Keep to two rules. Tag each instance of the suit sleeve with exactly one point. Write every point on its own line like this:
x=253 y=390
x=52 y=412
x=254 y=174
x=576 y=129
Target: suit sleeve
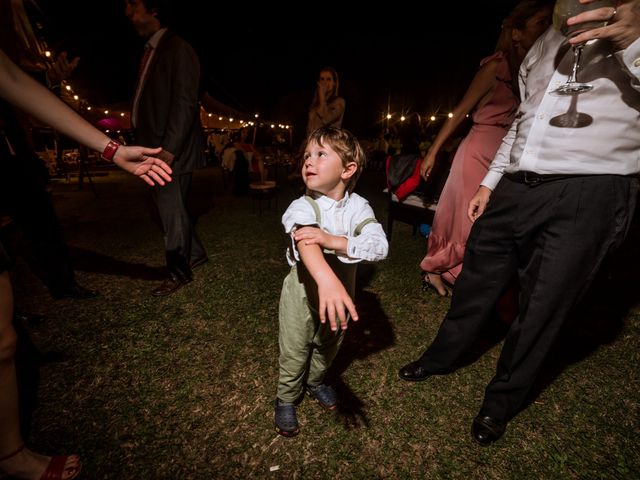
x=183 y=106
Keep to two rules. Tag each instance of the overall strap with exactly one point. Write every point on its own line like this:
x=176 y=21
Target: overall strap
x=363 y=224
x=316 y=209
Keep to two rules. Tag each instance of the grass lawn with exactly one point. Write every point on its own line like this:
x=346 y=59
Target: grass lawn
x=183 y=387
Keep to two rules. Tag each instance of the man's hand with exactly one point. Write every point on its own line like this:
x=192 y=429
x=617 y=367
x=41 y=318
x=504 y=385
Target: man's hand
x=622 y=24
x=166 y=156
x=478 y=203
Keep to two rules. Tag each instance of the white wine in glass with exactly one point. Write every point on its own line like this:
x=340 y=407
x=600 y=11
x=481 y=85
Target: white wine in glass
x=562 y=11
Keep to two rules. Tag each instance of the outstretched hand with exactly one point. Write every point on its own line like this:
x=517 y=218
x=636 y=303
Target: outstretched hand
x=140 y=162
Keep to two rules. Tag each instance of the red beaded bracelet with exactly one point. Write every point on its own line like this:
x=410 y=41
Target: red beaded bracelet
x=110 y=150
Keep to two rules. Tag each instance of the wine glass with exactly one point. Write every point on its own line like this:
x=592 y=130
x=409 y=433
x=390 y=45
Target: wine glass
x=563 y=10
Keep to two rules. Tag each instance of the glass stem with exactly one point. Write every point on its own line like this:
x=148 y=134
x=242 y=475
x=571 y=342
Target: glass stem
x=577 y=53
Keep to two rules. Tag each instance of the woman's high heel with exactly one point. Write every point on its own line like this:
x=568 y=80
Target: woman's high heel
x=427 y=285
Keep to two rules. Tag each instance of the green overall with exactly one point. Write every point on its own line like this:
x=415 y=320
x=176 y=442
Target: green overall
x=308 y=347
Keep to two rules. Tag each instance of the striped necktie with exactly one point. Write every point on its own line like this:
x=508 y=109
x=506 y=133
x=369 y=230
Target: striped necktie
x=143 y=64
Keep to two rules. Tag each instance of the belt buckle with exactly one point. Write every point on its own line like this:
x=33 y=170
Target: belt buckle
x=531 y=178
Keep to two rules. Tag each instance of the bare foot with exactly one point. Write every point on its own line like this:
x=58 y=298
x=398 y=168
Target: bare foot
x=434 y=280
x=28 y=465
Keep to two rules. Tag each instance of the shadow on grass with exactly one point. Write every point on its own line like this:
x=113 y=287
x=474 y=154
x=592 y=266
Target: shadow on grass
x=28 y=360
x=372 y=333
x=596 y=321
x=593 y=322
x=89 y=261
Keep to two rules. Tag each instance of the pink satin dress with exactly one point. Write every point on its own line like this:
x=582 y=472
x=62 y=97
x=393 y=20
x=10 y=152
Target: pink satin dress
x=451 y=226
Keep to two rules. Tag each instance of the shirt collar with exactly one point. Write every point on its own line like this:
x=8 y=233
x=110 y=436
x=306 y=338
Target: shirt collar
x=327 y=203
x=155 y=38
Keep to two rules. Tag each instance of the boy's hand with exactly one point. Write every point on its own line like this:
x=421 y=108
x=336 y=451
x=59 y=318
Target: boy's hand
x=317 y=236
x=333 y=301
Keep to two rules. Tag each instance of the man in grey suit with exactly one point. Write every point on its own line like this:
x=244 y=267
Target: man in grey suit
x=166 y=113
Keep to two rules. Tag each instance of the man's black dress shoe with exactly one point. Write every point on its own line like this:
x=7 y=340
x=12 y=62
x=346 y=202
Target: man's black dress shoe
x=198 y=261
x=74 y=290
x=486 y=430
x=414 y=372
x=169 y=285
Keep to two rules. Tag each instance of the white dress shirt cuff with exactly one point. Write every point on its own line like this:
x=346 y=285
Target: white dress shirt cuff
x=491 y=180
x=630 y=57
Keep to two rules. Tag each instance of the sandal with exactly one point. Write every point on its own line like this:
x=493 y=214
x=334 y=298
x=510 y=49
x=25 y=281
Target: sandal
x=324 y=395
x=285 y=419
x=427 y=285
x=56 y=467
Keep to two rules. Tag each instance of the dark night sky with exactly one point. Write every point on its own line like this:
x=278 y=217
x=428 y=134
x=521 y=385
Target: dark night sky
x=257 y=59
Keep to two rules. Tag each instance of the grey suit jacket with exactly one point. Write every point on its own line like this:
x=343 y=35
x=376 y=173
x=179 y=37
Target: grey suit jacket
x=168 y=109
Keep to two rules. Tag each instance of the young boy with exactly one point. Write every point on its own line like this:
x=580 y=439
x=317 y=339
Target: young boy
x=332 y=230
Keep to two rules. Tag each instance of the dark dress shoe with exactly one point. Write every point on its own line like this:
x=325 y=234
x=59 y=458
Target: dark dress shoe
x=168 y=286
x=486 y=430
x=414 y=372
x=75 y=291
x=198 y=261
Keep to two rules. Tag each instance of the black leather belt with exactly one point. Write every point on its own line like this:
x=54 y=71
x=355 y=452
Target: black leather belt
x=533 y=178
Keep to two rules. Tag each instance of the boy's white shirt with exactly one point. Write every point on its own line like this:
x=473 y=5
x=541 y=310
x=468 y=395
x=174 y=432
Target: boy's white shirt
x=338 y=218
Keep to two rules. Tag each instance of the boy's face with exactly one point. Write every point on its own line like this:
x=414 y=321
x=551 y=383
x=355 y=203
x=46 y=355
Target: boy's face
x=323 y=171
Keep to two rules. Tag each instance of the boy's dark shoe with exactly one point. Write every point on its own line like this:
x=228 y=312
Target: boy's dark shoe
x=286 y=419
x=324 y=395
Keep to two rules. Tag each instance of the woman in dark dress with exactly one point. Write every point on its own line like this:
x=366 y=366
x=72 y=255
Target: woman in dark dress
x=20 y=90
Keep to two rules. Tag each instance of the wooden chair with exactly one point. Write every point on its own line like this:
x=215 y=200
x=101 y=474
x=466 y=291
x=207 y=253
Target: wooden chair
x=263 y=190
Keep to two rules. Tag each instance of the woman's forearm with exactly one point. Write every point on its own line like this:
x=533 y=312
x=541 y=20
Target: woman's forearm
x=19 y=89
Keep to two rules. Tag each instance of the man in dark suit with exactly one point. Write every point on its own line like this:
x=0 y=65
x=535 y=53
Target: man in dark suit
x=166 y=113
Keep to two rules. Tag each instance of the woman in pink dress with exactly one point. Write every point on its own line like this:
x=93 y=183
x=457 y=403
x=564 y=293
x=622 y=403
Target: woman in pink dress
x=493 y=97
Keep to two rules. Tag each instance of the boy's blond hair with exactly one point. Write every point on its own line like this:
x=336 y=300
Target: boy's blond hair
x=346 y=145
